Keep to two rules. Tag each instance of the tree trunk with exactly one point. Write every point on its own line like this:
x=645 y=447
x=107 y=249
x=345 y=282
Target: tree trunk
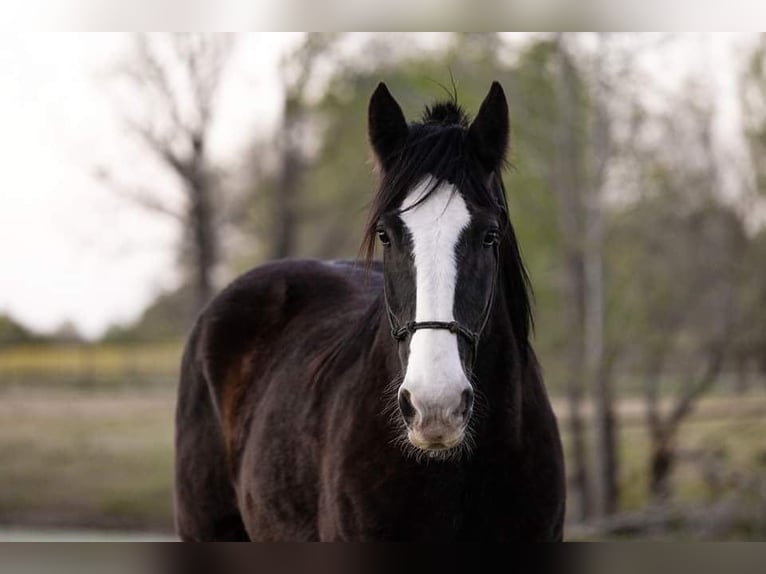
x=582 y=507
x=663 y=429
x=742 y=375
x=175 y=80
x=660 y=458
x=290 y=171
x=607 y=456
x=597 y=372
x=205 y=248
x=661 y=462
x=567 y=182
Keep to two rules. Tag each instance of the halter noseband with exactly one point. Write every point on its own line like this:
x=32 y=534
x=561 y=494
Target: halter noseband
x=401 y=333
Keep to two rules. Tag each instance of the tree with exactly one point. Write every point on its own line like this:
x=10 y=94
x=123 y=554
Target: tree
x=298 y=70
x=753 y=95
x=314 y=180
x=592 y=101
x=600 y=353
x=569 y=183
x=753 y=90
x=680 y=251
x=14 y=333
x=175 y=80
x=168 y=318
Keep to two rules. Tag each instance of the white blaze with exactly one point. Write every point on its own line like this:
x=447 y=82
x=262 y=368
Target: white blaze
x=435 y=376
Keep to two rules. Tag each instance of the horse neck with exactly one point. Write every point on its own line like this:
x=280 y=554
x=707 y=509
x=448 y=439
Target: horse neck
x=500 y=370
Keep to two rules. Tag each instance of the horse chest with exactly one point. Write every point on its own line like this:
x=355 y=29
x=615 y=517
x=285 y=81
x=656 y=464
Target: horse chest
x=436 y=502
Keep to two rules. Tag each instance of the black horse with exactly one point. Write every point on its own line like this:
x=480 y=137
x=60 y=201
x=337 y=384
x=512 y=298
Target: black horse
x=402 y=401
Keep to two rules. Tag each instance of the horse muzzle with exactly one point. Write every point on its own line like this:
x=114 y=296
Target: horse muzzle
x=436 y=425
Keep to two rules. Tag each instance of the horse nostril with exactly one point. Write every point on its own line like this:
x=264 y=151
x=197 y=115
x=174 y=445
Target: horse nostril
x=466 y=403
x=405 y=406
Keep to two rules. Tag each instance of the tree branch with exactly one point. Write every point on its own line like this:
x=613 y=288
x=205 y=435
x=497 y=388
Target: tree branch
x=139 y=196
x=686 y=400
x=152 y=74
x=161 y=147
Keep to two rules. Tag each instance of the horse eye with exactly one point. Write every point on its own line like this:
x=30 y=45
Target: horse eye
x=384 y=238
x=491 y=238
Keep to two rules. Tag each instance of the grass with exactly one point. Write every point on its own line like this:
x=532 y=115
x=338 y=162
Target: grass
x=104 y=459
x=731 y=426
x=86 y=438
x=92 y=459
x=727 y=431
x=738 y=442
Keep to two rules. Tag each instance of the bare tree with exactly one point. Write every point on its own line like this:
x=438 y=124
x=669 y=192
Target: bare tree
x=597 y=366
x=585 y=148
x=175 y=80
x=753 y=96
x=298 y=70
x=708 y=362
x=690 y=247
x=568 y=185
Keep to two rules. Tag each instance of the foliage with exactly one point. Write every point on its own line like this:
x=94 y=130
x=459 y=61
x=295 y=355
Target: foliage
x=168 y=318
x=674 y=247
x=13 y=332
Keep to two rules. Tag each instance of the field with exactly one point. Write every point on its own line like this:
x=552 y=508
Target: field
x=86 y=437
x=87 y=442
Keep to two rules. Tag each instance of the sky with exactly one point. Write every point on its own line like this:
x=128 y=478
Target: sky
x=72 y=250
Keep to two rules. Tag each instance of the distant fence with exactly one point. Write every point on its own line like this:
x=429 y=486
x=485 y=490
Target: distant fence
x=90 y=365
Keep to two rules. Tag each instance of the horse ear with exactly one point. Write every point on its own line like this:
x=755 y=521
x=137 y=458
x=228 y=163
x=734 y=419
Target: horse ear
x=386 y=127
x=489 y=132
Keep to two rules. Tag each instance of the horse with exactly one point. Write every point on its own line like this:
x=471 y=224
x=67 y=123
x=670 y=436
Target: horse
x=393 y=401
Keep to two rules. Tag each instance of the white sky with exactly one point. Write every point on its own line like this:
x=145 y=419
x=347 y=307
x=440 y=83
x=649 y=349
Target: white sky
x=70 y=249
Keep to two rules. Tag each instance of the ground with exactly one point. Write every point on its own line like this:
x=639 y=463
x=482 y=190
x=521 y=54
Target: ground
x=95 y=451
x=97 y=459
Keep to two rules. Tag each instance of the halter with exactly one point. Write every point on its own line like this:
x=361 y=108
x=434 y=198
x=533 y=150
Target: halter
x=454 y=327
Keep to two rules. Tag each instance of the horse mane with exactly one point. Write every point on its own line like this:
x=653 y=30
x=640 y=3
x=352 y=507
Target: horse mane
x=516 y=281
x=446 y=113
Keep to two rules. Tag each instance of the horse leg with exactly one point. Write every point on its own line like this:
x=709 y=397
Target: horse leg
x=205 y=501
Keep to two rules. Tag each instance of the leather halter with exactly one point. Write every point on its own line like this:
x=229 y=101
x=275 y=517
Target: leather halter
x=454 y=327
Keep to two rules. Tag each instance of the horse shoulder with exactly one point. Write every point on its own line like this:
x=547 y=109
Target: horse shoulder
x=243 y=330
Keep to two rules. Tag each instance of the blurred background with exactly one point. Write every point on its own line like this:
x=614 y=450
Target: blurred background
x=141 y=173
